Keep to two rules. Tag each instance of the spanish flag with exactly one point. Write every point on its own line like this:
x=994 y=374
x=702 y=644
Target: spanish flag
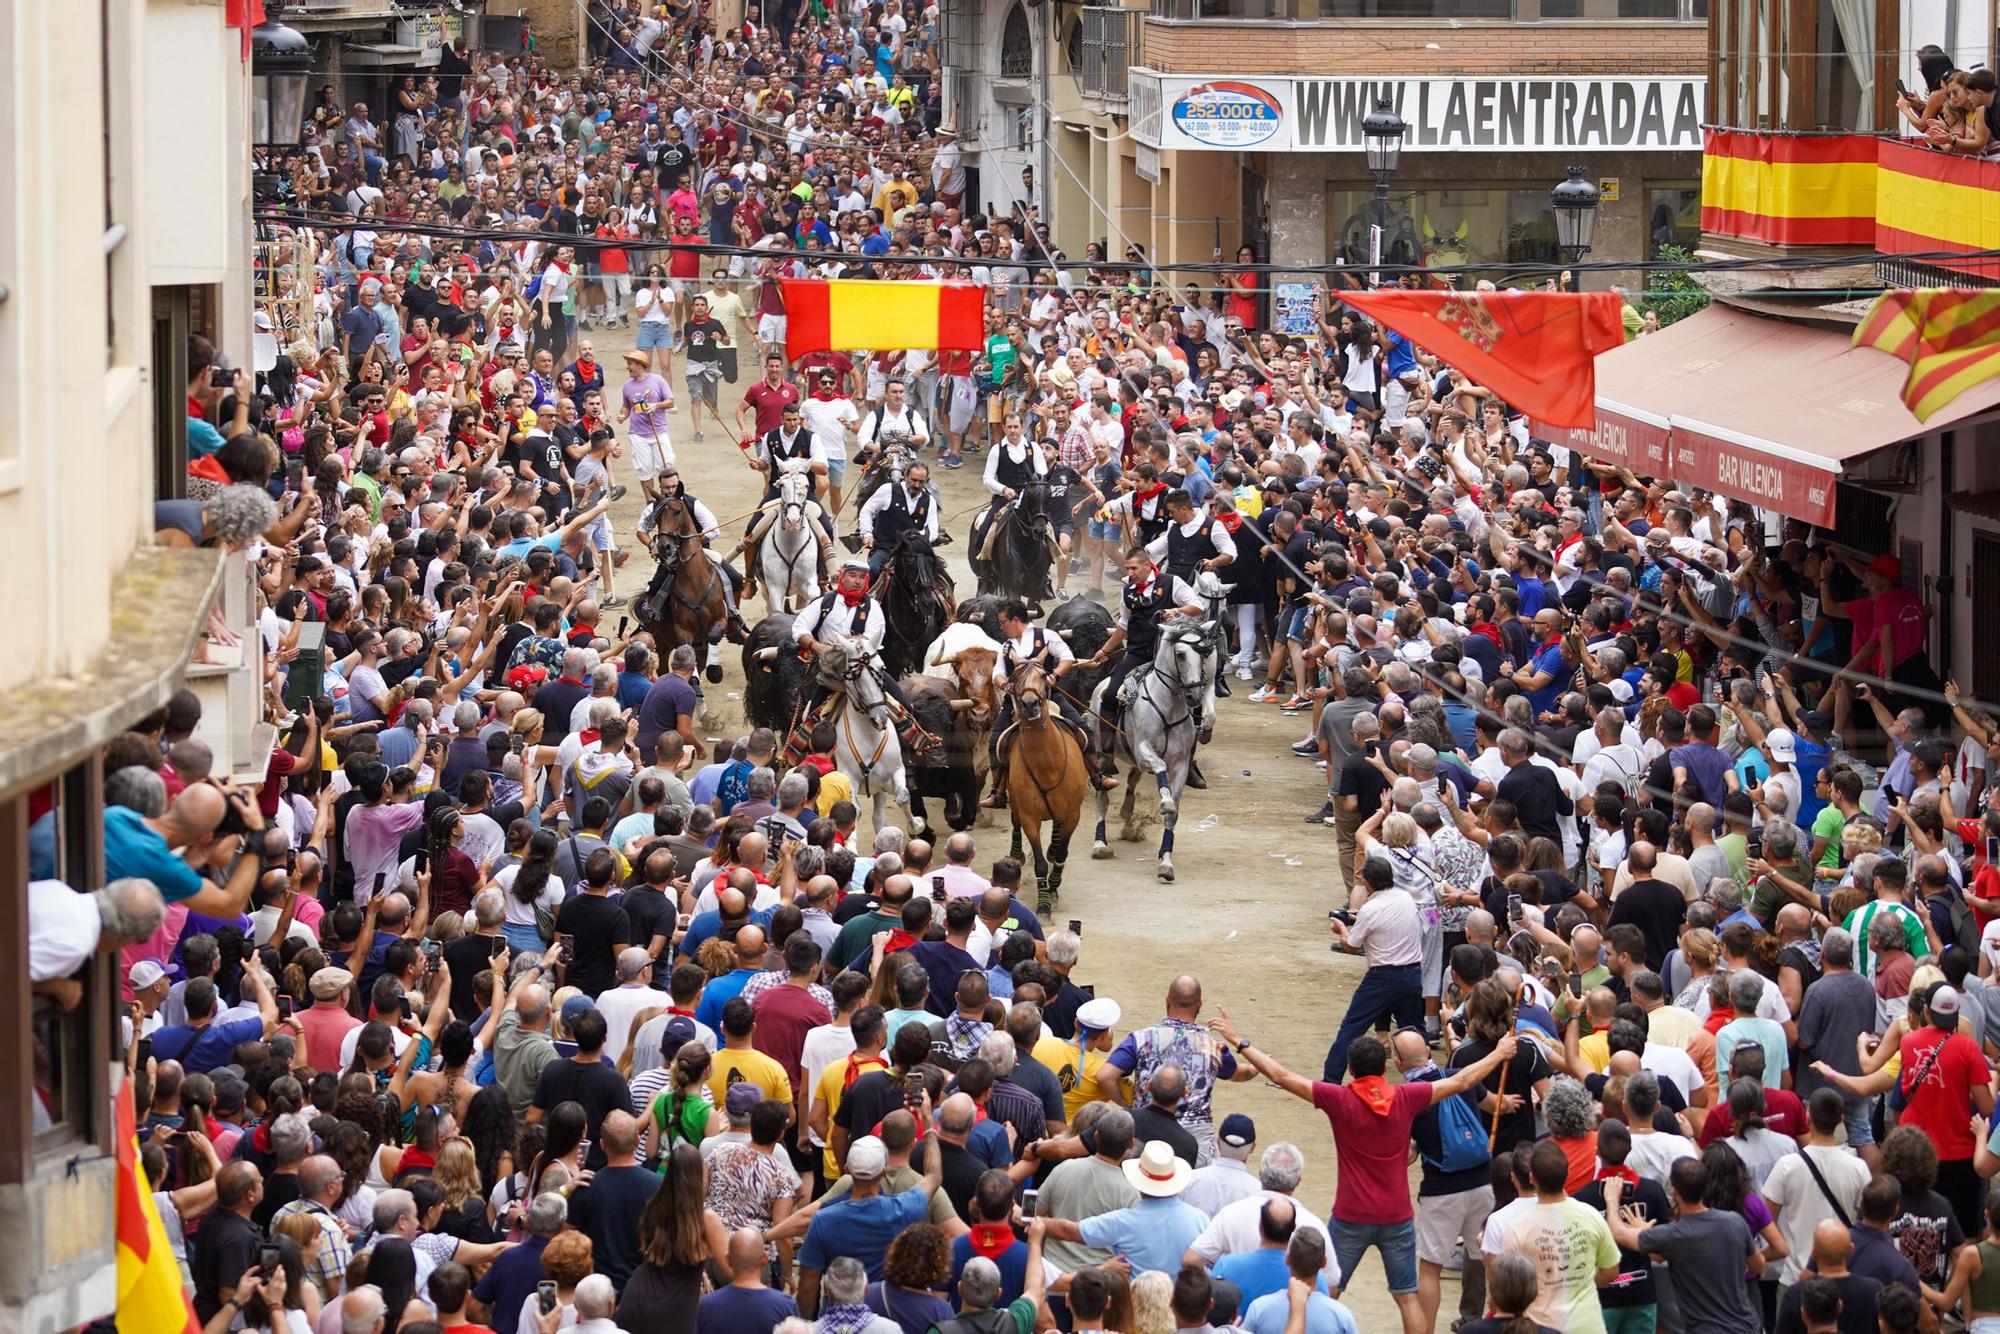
x=1950 y=338
x=839 y=314
x=151 y=1299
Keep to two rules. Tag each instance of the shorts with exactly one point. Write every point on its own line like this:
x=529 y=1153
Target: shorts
x=1645 y=1319
x=707 y=388
x=878 y=383
x=1105 y=530
x=599 y=533
x=836 y=469
x=1299 y=625
x=770 y=328
x=649 y=457
x=1396 y=1241
x=1860 y=1129
x=654 y=335
x=1445 y=1221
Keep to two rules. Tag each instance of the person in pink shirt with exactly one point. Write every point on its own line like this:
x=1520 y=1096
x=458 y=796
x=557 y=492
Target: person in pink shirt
x=1889 y=632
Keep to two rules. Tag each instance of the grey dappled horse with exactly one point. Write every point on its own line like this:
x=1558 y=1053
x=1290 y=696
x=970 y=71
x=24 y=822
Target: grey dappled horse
x=1172 y=708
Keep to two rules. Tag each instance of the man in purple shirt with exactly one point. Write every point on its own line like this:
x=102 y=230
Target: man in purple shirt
x=647 y=397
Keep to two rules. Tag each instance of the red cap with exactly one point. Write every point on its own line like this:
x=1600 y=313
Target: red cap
x=527 y=674
x=1887 y=567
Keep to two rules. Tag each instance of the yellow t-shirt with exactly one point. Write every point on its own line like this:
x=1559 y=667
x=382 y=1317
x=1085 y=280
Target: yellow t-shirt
x=1060 y=1058
x=747 y=1066
x=832 y=1087
x=833 y=786
x=1085 y=1091
x=1594 y=1050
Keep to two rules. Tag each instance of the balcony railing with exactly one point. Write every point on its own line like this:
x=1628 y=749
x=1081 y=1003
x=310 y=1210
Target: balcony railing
x=1856 y=192
x=1110 y=44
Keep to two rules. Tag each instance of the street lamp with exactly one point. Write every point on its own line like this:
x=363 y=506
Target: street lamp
x=1575 y=205
x=1382 y=133
x=280 y=59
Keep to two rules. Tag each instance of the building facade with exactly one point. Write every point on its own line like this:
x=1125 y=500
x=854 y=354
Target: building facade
x=126 y=227
x=1192 y=126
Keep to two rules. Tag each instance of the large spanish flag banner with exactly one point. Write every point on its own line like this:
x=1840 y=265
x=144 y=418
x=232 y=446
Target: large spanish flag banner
x=1950 y=338
x=1536 y=350
x=1937 y=204
x=1789 y=189
x=839 y=314
x=150 y=1297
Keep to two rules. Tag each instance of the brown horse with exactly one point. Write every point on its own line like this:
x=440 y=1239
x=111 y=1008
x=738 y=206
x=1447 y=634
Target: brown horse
x=688 y=603
x=1046 y=781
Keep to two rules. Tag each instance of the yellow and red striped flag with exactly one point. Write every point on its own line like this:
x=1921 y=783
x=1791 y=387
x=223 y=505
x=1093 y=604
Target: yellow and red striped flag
x=151 y=1299
x=1950 y=338
x=835 y=315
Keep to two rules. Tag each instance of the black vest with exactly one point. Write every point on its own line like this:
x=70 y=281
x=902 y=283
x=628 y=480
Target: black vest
x=780 y=452
x=901 y=515
x=1039 y=638
x=1010 y=474
x=1185 y=552
x=1142 y=615
x=1150 y=528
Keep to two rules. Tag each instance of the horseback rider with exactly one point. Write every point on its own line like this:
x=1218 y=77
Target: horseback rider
x=1194 y=543
x=1149 y=594
x=1027 y=643
x=895 y=423
x=788 y=442
x=849 y=615
x=1009 y=468
x=652 y=606
x=1145 y=503
x=895 y=510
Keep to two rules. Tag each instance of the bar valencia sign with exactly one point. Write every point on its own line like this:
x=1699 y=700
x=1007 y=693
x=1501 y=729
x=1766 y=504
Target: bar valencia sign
x=1500 y=115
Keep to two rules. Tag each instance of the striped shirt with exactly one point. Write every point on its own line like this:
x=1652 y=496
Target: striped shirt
x=1862 y=918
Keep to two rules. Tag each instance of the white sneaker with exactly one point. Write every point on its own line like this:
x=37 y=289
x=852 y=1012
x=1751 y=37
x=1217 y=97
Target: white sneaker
x=1264 y=694
x=1243 y=673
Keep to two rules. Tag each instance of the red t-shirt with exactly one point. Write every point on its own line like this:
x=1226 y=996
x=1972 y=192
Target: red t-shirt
x=1942 y=1106
x=684 y=259
x=1783 y=1112
x=785 y=1014
x=768 y=401
x=1372 y=1152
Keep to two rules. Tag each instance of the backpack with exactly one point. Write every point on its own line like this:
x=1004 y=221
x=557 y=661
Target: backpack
x=1462 y=1137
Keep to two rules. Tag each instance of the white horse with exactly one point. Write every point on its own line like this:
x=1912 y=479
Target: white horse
x=788 y=560
x=868 y=749
x=1172 y=706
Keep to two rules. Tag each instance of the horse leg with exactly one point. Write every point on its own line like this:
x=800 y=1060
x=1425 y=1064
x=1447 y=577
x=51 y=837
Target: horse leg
x=1043 y=889
x=1167 y=822
x=918 y=824
x=1130 y=830
x=1151 y=761
x=1014 y=847
x=1099 y=849
x=1058 y=855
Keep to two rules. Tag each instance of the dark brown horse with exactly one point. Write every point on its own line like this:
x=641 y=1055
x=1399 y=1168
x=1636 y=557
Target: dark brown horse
x=1047 y=780
x=689 y=602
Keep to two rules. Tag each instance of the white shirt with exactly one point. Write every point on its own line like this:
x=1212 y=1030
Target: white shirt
x=1022 y=648
x=863 y=622
x=658 y=311
x=879 y=502
x=1024 y=451
x=347 y=1044
x=620 y=1006
x=1654 y=1154
x=1221 y=1183
x=1234 y=1229
x=484 y=841
x=63 y=929
x=1388 y=929
x=884 y=422
x=823 y=1046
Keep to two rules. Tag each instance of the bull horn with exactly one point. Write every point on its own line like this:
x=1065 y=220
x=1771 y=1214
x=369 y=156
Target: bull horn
x=766 y=655
x=961 y=705
x=1065 y=635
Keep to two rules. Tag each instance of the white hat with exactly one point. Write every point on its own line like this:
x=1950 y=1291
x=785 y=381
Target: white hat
x=144 y=974
x=260 y=320
x=1098 y=1015
x=1157 y=1171
x=1781 y=745
x=854 y=563
x=867 y=1158
x=1621 y=689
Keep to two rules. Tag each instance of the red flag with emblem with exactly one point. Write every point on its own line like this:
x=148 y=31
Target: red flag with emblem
x=1536 y=350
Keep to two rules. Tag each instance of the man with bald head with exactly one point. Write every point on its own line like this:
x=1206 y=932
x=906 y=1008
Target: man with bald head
x=1649 y=903
x=960 y=880
x=722 y=990
x=727 y=915
x=521 y=1043
x=1181 y=1040
x=142 y=847
x=229 y=1240
x=321 y=1183
x=1831 y=1247
x=608 y=1209
x=748 y=1302
x=621 y=1004
x=857 y=937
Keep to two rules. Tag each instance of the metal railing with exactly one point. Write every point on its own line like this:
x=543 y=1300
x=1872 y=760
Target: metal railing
x=1110 y=45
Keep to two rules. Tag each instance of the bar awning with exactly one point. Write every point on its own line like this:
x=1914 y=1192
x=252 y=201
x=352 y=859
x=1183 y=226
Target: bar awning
x=1764 y=410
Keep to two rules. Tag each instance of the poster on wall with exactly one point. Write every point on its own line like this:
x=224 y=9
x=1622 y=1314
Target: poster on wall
x=1293 y=310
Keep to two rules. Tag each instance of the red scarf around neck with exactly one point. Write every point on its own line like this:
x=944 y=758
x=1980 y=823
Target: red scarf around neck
x=1377 y=1094
x=991 y=1240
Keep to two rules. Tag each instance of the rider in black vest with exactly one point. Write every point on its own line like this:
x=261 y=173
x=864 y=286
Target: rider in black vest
x=1149 y=594
x=670 y=486
x=790 y=439
x=1051 y=652
x=896 y=510
x=1007 y=476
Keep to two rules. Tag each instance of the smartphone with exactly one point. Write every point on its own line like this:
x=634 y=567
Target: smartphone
x=624 y=624
x=914 y=1089
x=269 y=1257
x=1754 y=846
x=145 y=1051
x=1993 y=850
x=433 y=951
x=1902 y=89
x=284 y=1007
x=583 y=1151
x=1076 y=926
x=421 y=862
x=937 y=889
x=545 y=1295
x=497 y=948
x=1514 y=909
x=381 y=879
x=1576 y=985
x=1028 y=1197
x=567 y=944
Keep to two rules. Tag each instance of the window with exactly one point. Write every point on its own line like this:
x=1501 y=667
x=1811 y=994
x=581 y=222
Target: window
x=1673 y=216
x=1447 y=226
x=1017 y=46
x=1223 y=9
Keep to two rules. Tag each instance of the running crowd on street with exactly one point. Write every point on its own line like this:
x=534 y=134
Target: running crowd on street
x=505 y=1003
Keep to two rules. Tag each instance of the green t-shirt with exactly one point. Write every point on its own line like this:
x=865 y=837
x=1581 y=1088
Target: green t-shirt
x=680 y=1116
x=1000 y=356
x=1736 y=847
x=1828 y=825
x=1021 y=1310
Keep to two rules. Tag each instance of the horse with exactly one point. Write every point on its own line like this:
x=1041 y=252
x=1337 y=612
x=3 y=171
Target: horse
x=1024 y=548
x=956 y=698
x=1158 y=729
x=916 y=596
x=692 y=606
x=1046 y=779
x=788 y=558
x=866 y=748
x=1214 y=595
x=774 y=675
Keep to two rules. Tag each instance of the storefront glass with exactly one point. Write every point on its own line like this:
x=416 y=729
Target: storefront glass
x=1446 y=225
x=1673 y=216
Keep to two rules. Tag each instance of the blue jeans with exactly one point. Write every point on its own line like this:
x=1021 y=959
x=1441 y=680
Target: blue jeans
x=1396 y=1241
x=1384 y=993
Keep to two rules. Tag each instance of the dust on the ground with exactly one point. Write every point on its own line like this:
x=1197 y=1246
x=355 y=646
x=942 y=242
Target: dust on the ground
x=1247 y=911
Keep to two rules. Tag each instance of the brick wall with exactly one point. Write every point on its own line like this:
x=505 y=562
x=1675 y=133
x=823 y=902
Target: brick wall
x=1354 y=49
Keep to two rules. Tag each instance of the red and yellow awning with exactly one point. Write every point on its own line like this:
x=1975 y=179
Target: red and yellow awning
x=1786 y=189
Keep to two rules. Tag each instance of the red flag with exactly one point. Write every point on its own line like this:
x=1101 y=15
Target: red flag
x=1536 y=350
x=244 y=14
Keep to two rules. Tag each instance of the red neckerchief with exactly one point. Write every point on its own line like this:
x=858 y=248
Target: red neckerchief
x=991 y=1239
x=854 y=1069
x=1230 y=521
x=823 y=763
x=415 y=1157
x=824 y=396
x=1377 y=1094
x=588 y=736
x=854 y=599
x=1619 y=1173
x=588 y=369
x=1717 y=1018
x=1489 y=631
x=899 y=939
x=1141 y=497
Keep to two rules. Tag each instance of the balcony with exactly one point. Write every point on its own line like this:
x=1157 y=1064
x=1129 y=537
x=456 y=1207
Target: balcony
x=1110 y=42
x=1796 y=192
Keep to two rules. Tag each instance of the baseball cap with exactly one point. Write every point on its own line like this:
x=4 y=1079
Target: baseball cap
x=575 y=1008
x=230 y=1093
x=741 y=1098
x=1781 y=745
x=867 y=1158
x=1238 y=1131
x=144 y=974
x=1943 y=999
x=1887 y=567
x=527 y=674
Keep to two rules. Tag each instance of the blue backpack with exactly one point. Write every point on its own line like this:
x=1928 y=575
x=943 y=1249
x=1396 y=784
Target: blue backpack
x=1462 y=1137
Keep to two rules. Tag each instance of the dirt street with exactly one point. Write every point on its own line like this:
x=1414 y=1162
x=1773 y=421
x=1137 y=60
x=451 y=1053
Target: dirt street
x=1247 y=914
